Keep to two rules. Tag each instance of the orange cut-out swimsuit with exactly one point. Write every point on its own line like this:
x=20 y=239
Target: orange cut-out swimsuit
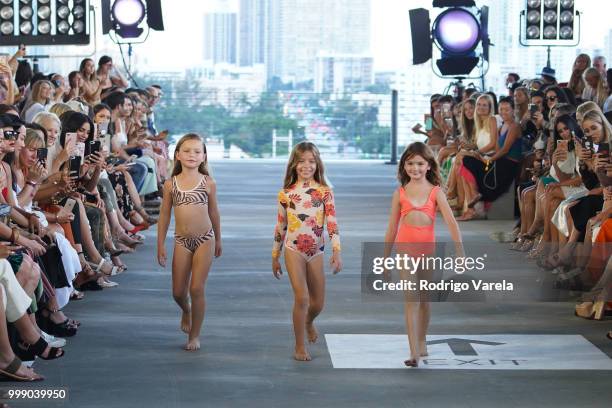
x=417 y=234
x=303 y=210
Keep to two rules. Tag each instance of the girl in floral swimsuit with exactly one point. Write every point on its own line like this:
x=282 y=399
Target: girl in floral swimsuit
x=192 y=193
x=305 y=205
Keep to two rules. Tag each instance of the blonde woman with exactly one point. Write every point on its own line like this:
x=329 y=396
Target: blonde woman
x=576 y=82
x=39 y=99
x=91 y=87
x=596 y=89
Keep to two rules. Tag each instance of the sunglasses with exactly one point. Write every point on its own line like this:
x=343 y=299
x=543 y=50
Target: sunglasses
x=551 y=98
x=10 y=135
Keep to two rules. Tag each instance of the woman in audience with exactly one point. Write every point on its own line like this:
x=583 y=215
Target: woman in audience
x=90 y=88
x=38 y=100
x=596 y=89
x=576 y=83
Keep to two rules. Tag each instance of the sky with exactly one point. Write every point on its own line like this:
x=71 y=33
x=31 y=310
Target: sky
x=181 y=45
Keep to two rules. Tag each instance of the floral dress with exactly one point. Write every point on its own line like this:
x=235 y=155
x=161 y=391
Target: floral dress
x=303 y=210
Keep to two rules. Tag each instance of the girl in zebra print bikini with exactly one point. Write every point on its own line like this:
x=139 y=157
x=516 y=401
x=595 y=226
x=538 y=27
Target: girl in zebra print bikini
x=197 y=235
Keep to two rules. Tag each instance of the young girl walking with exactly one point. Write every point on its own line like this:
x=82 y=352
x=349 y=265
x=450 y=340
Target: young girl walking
x=197 y=238
x=305 y=205
x=412 y=218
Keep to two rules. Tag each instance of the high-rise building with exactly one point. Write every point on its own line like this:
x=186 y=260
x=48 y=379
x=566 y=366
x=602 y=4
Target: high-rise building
x=252 y=32
x=220 y=42
x=343 y=73
x=298 y=30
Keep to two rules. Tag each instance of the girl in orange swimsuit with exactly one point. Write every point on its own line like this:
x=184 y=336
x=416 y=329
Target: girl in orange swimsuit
x=305 y=206
x=412 y=218
x=192 y=193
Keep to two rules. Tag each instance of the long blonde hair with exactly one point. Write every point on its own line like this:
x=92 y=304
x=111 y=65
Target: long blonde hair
x=299 y=149
x=598 y=117
x=483 y=122
x=576 y=82
x=601 y=92
x=178 y=168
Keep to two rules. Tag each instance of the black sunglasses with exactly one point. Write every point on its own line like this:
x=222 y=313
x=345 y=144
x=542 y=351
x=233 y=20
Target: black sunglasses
x=551 y=98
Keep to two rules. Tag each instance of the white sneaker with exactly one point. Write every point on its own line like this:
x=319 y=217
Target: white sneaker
x=52 y=340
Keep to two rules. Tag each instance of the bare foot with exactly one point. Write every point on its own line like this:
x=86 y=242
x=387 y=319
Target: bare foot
x=313 y=334
x=186 y=322
x=301 y=354
x=193 y=345
x=24 y=371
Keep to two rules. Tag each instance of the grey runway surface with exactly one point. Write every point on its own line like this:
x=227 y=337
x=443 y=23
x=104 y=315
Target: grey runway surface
x=128 y=351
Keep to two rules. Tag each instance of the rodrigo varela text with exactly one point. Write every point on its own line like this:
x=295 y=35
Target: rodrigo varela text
x=446 y=286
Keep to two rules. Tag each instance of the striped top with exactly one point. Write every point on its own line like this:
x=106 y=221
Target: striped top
x=196 y=196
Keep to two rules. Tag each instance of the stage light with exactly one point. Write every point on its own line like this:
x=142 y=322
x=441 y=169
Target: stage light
x=44 y=22
x=125 y=17
x=549 y=22
x=457 y=32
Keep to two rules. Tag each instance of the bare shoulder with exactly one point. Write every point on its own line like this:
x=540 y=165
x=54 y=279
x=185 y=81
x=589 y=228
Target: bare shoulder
x=168 y=184
x=210 y=182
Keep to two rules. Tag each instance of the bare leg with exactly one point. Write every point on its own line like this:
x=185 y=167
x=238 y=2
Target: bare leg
x=297 y=271
x=202 y=260
x=28 y=275
x=181 y=274
x=315 y=280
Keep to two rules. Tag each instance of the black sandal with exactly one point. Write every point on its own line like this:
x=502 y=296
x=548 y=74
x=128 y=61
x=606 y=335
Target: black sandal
x=64 y=329
x=39 y=348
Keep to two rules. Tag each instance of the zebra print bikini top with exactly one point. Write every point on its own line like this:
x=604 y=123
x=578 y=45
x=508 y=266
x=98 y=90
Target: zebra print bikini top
x=196 y=196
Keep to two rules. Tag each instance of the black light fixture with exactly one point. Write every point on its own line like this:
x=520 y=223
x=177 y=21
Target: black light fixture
x=550 y=23
x=457 y=33
x=125 y=17
x=44 y=22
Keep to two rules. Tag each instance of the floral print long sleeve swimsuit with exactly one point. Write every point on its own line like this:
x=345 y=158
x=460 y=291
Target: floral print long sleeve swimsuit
x=303 y=210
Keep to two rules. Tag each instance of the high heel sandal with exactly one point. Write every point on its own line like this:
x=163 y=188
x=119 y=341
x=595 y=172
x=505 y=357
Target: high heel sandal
x=39 y=348
x=590 y=310
x=98 y=267
x=67 y=328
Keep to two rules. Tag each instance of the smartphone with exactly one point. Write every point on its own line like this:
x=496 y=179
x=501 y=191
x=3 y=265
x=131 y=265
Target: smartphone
x=74 y=166
x=41 y=154
x=103 y=128
x=418 y=126
x=603 y=150
x=428 y=123
x=533 y=108
x=446 y=109
x=69 y=205
x=70 y=141
x=92 y=147
x=587 y=143
x=79 y=150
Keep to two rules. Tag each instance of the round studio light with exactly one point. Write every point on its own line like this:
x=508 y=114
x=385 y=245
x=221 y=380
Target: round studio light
x=25 y=27
x=26 y=12
x=567 y=17
x=567 y=3
x=43 y=1
x=550 y=3
x=63 y=27
x=6 y=13
x=533 y=17
x=128 y=12
x=63 y=12
x=44 y=12
x=78 y=12
x=550 y=32
x=44 y=27
x=534 y=3
x=78 y=27
x=457 y=31
x=566 y=33
x=6 y=28
x=550 y=17
x=6 y=1
x=533 y=32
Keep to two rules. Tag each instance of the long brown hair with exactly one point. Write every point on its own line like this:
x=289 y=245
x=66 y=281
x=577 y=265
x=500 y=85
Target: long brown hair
x=297 y=152
x=419 y=149
x=177 y=163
